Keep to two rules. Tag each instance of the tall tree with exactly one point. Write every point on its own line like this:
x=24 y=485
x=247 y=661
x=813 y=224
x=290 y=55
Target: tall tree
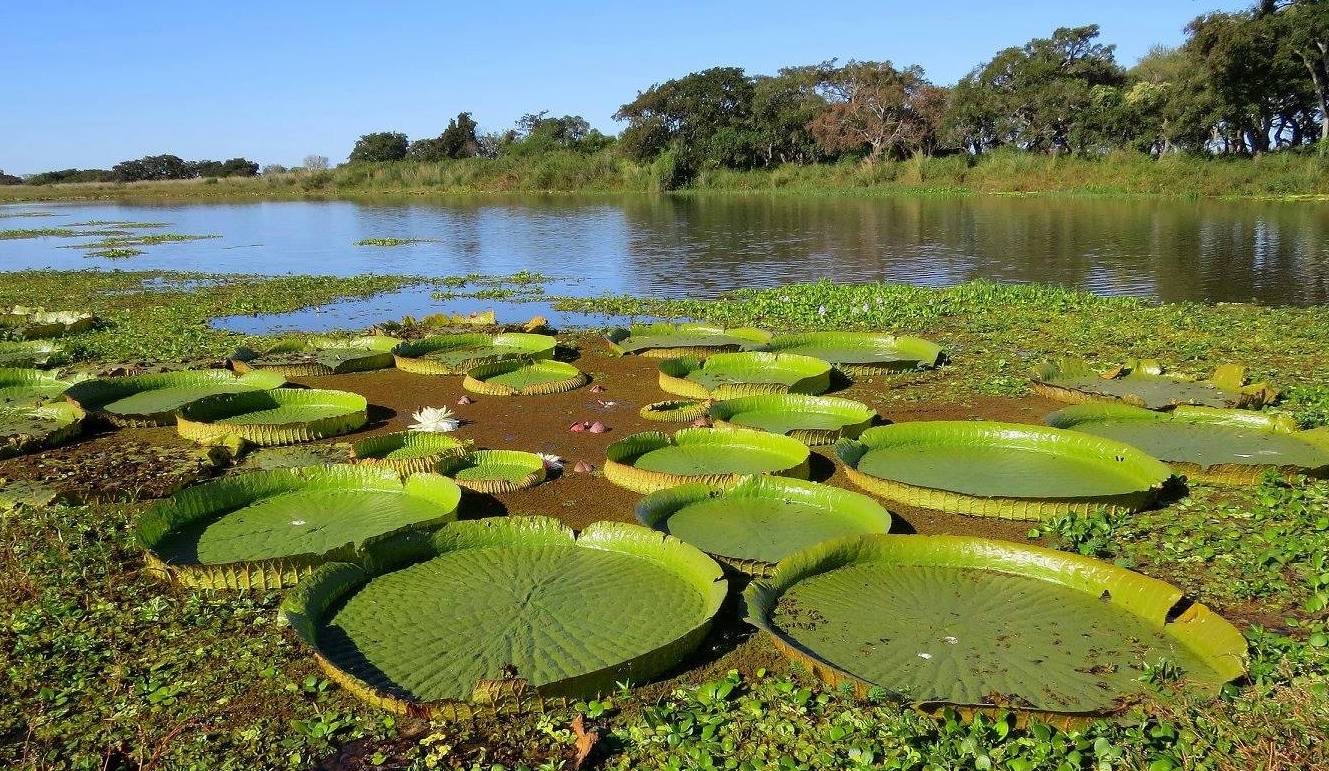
x=704 y=117
x=875 y=106
x=380 y=146
x=1303 y=27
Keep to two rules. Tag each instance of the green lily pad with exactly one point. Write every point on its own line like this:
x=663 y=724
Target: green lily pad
x=1144 y=383
x=408 y=452
x=1005 y=470
x=27 y=387
x=266 y=529
x=977 y=623
x=520 y=377
x=675 y=410
x=30 y=353
x=1205 y=443
x=862 y=352
x=664 y=341
x=271 y=418
x=298 y=456
x=36 y=323
x=525 y=611
x=455 y=354
x=812 y=420
x=156 y=399
x=28 y=429
x=653 y=461
x=729 y=375
x=321 y=356
x=760 y=520
x=495 y=471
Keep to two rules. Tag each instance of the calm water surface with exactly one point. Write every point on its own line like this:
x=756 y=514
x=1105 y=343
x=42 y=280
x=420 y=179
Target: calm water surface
x=701 y=246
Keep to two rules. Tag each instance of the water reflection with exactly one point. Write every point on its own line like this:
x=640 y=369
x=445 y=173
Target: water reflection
x=703 y=245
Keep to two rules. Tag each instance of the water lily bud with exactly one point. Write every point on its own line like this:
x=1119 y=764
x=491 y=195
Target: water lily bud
x=597 y=428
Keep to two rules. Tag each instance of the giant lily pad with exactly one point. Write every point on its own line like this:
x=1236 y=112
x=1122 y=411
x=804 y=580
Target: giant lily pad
x=811 y=420
x=502 y=614
x=266 y=529
x=675 y=410
x=495 y=471
x=1004 y=470
x=760 y=520
x=521 y=377
x=36 y=323
x=1143 y=383
x=26 y=387
x=455 y=354
x=270 y=418
x=729 y=375
x=30 y=353
x=321 y=356
x=408 y=452
x=156 y=399
x=32 y=428
x=977 y=623
x=666 y=341
x=653 y=461
x=1207 y=444
x=862 y=353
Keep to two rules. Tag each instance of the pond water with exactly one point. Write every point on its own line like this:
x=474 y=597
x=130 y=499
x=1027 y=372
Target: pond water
x=700 y=246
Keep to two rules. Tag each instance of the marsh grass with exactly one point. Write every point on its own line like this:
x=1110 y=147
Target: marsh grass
x=391 y=241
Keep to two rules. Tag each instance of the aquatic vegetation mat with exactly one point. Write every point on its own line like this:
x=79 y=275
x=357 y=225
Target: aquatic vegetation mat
x=495 y=471
x=977 y=623
x=36 y=323
x=664 y=341
x=32 y=428
x=675 y=410
x=812 y=420
x=524 y=378
x=862 y=352
x=115 y=468
x=456 y=354
x=760 y=520
x=653 y=461
x=1205 y=443
x=408 y=452
x=534 y=613
x=1144 y=383
x=156 y=399
x=30 y=353
x=266 y=529
x=320 y=356
x=728 y=375
x=26 y=387
x=1004 y=470
x=276 y=417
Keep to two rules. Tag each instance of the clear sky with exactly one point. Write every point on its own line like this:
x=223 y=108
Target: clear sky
x=86 y=84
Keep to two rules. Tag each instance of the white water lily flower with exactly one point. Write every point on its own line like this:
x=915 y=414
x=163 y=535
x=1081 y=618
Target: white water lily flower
x=821 y=310
x=435 y=420
x=552 y=462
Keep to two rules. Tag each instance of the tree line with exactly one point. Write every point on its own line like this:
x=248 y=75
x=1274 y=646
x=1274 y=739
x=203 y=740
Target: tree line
x=1243 y=83
x=149 y=167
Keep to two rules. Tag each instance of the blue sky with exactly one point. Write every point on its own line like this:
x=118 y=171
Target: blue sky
x=86 y=84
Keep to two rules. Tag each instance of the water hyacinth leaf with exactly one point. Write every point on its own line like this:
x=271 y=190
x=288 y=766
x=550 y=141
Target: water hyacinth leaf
x=730 y=375
x=978 y=623
x=654 y=461
x=862 y=353
x=271 y=418
x=1144 y=383
x=533 y=603
x=758 y=521
x=455 y=354
x=408 y=452
x=495 y=471
x=266 y=529
x=664 y=341
x=32 y=428
x=1205 y=443
x=520 y=377
x=156 y=399
x=320 y=356
x=812 y=420
x=27 y=387
x=35 y=323
x=1003 y=470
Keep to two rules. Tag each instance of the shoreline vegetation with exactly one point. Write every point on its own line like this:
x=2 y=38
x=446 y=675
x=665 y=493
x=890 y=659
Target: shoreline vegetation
x=1279 y=176
x=108 y=668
